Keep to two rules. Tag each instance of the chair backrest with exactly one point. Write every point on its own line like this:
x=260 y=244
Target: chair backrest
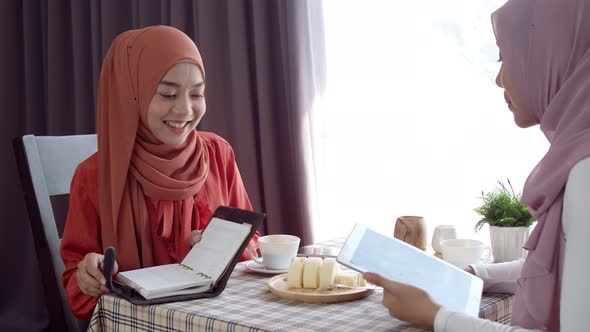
x=46 y=165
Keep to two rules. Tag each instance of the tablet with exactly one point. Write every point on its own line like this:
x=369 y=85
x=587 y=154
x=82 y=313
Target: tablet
x=368 y=251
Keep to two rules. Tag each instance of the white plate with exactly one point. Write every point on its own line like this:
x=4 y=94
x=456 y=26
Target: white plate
x=253 y=266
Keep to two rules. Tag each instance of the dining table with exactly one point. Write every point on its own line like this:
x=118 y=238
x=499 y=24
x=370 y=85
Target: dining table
x=247 y=304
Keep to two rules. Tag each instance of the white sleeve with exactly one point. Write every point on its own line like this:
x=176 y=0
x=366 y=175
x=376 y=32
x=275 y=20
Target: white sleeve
x=450 y=321
x=575 y=289
x=499 y=277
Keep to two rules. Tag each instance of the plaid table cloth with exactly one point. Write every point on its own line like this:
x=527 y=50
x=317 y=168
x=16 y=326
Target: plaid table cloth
x=247 y=304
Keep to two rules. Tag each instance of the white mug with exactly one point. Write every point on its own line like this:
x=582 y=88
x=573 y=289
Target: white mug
x=463 y=252
x=277 y=251
x=441 y=233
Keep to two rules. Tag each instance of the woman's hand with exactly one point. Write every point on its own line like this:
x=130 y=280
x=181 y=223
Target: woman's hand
x=405 y=302
x=90 y=277
x=195 y=237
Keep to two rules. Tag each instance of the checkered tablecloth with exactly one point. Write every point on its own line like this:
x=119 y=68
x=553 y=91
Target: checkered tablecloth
x=247 y=304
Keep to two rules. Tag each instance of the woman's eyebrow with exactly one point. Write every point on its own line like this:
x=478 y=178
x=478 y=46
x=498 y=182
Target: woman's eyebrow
x=176 y=85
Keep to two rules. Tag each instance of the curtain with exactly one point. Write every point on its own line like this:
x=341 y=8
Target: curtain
x=263 y=61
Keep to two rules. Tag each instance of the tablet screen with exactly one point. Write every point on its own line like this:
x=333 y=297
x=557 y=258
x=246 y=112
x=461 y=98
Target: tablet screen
x=368 y=251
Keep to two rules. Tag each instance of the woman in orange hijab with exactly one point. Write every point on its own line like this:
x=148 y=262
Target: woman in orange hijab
x=155 y=180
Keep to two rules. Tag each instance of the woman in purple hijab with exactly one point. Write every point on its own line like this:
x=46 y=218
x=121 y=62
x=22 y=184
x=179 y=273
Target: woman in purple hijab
x=545 y=51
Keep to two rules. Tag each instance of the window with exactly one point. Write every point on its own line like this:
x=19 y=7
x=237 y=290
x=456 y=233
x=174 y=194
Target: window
x=411 y=121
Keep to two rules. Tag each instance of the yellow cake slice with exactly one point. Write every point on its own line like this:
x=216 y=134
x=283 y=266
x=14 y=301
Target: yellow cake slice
x=295 y=273
x=348 y=278
x=362 y=282
x=328 y=272
x=311 y=269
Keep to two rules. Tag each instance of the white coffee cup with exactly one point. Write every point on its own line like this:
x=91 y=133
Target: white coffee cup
x=277 y=251
x=462 y=252
x=441 y=233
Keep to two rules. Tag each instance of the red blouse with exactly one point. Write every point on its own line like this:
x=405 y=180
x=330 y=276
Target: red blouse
x=81 y=234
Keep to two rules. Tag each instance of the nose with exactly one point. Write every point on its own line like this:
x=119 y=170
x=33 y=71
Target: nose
x=499 y=77
x=183 y=106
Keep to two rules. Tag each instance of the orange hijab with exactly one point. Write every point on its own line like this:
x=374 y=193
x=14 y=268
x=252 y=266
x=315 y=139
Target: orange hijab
x=132 y=163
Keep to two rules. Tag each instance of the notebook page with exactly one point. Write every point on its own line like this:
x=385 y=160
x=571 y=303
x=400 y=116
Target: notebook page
x=164 y=277
x=220 y=242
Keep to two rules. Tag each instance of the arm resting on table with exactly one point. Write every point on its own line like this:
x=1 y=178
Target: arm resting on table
x=499 y=277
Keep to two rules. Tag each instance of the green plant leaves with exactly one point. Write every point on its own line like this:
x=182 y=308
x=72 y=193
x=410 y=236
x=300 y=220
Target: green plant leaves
x=502 y=208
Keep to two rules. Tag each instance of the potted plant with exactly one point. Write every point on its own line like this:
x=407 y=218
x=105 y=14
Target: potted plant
x=509 y=222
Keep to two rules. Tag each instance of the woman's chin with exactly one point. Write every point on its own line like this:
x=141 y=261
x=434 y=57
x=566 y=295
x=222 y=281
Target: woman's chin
x=523 y=123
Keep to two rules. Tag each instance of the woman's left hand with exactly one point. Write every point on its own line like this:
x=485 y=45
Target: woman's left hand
x=405 y=302
x=195 y=237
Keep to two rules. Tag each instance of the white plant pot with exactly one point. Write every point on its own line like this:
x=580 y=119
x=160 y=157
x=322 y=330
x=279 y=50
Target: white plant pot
x=508 y=243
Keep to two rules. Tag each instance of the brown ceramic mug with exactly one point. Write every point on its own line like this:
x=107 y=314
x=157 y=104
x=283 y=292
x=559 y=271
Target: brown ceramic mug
x=412 y=230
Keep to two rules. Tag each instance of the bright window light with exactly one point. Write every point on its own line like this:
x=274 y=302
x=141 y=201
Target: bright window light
x=411 y=121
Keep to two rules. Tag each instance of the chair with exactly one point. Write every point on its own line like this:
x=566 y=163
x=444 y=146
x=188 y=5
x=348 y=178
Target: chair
x=46 y=165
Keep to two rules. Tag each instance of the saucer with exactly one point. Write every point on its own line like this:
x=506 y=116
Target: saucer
x=253 y=266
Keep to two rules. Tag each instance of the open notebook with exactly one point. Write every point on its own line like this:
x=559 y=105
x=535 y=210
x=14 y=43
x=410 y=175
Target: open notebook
x=207 y=265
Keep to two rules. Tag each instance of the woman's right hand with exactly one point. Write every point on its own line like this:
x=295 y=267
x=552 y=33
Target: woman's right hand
x=90 y=277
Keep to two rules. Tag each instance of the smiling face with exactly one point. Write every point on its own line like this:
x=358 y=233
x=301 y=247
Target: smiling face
x=178 y=104
x=522 y=118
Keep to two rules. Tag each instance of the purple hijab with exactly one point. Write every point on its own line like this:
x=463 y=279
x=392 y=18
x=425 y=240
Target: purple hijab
x=545 y=47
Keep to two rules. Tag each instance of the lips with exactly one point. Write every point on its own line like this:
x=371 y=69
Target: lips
x=176 y=124
x=507 y=99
